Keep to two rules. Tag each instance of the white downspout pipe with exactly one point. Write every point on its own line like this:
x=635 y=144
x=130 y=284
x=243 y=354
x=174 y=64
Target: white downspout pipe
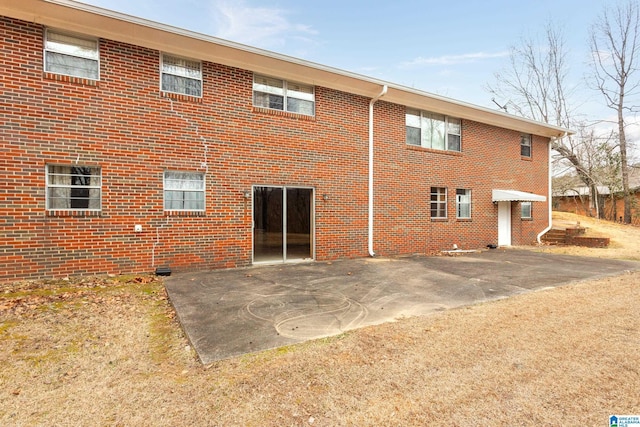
x=373 y=101
x=549 y=196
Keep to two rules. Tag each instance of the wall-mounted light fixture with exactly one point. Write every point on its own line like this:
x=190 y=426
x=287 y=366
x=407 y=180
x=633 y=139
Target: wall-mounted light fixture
x=246 y=194
x=325 y=197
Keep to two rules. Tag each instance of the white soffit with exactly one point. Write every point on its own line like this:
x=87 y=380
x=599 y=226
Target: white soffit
x=516 y=196
x=91 y=20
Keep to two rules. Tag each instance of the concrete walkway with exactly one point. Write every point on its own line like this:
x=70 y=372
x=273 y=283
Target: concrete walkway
x=232 y=312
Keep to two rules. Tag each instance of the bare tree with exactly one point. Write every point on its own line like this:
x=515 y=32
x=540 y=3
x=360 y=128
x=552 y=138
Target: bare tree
x=534 y=86
x=614 y=42
x=600 y=161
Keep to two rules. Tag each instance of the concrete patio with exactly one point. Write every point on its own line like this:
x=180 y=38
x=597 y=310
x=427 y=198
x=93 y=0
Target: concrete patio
x=227 y=313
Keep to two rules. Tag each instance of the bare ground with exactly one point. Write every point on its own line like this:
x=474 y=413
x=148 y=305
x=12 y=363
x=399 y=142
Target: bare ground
x=108 y=351
x=625 y=239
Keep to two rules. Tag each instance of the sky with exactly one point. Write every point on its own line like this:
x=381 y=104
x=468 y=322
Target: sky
x=450 y=49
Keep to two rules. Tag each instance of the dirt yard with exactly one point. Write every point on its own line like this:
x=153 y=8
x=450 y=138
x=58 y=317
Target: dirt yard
x=109 y=351
x=625 y=239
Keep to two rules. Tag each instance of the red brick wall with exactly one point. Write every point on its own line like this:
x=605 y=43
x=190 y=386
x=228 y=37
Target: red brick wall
x=125 y=125
x=574 y=205
x=613 y=208
x=490 y=159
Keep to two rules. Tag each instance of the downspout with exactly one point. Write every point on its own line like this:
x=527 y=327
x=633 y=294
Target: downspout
x=373 y=101
x=549 y=195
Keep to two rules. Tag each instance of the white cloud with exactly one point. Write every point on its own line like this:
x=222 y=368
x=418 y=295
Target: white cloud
x=256 y=26
x=453 y=59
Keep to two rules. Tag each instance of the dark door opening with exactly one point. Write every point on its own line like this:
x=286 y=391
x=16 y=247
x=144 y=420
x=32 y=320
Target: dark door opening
x=282 y=224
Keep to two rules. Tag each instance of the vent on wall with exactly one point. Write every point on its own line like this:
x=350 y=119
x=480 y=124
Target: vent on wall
x=163 y=271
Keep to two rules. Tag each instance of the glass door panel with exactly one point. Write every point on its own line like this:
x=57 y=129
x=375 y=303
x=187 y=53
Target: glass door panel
x=298 y=229
x=268 y=221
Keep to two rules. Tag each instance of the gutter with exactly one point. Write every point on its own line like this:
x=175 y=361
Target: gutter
x=99 y=22
x=373 y=101
x=550 y=195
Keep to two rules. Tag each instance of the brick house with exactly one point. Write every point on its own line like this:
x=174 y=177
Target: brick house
x=128 y=145
x=579 y=200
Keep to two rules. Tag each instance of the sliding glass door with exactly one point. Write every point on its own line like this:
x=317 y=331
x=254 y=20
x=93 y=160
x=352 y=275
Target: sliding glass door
x=282 y=224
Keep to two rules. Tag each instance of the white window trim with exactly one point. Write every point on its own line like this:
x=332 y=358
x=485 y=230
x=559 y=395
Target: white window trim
x=529 y=138
x=522 y=205
x=458 y=203
x=447 y=118
x=285 y=95
x=203 y=191
x=49 y=185
x=426 y=115
x=200 y=79
x=46 y=49
x=445 y=203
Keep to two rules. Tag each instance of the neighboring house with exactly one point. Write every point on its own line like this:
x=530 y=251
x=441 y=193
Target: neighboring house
x=129 y=145
x=580 y=201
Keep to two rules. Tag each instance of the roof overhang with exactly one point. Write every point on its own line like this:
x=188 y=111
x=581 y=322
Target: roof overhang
x=516 y=196
x=82 y=18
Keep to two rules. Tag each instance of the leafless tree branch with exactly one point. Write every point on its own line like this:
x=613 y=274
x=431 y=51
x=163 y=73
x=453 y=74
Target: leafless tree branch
x=614 y=42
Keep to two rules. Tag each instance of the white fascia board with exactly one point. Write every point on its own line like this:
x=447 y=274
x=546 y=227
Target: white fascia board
x=91 y=20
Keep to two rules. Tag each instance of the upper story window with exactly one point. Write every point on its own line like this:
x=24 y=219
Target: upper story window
x=283 y=95
x=181 y=75
x=74 y=187
x=71 y=55
x=434 y=131
x=525 y=145
x=183 y=191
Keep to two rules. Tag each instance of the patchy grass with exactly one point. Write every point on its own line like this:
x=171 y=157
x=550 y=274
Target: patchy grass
x=109 y=351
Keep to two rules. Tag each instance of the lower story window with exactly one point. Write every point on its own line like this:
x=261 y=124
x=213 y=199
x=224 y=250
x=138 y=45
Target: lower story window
x=463 y=203
x=525 y=210
x=74 y=188
x=183 y=191
x=438 y=202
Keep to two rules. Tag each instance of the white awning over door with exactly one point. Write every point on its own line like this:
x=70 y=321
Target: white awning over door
x=516 y=196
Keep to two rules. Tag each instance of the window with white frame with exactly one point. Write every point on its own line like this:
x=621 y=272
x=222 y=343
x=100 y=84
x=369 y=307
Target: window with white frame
x=71 y=55
x=438 y=202
x=277 y=94
x=74 y=187
x=181 y=75
x=434 y=131
x=463 y=203
x=183 y=191
x=525 y=145
x=525 y=210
